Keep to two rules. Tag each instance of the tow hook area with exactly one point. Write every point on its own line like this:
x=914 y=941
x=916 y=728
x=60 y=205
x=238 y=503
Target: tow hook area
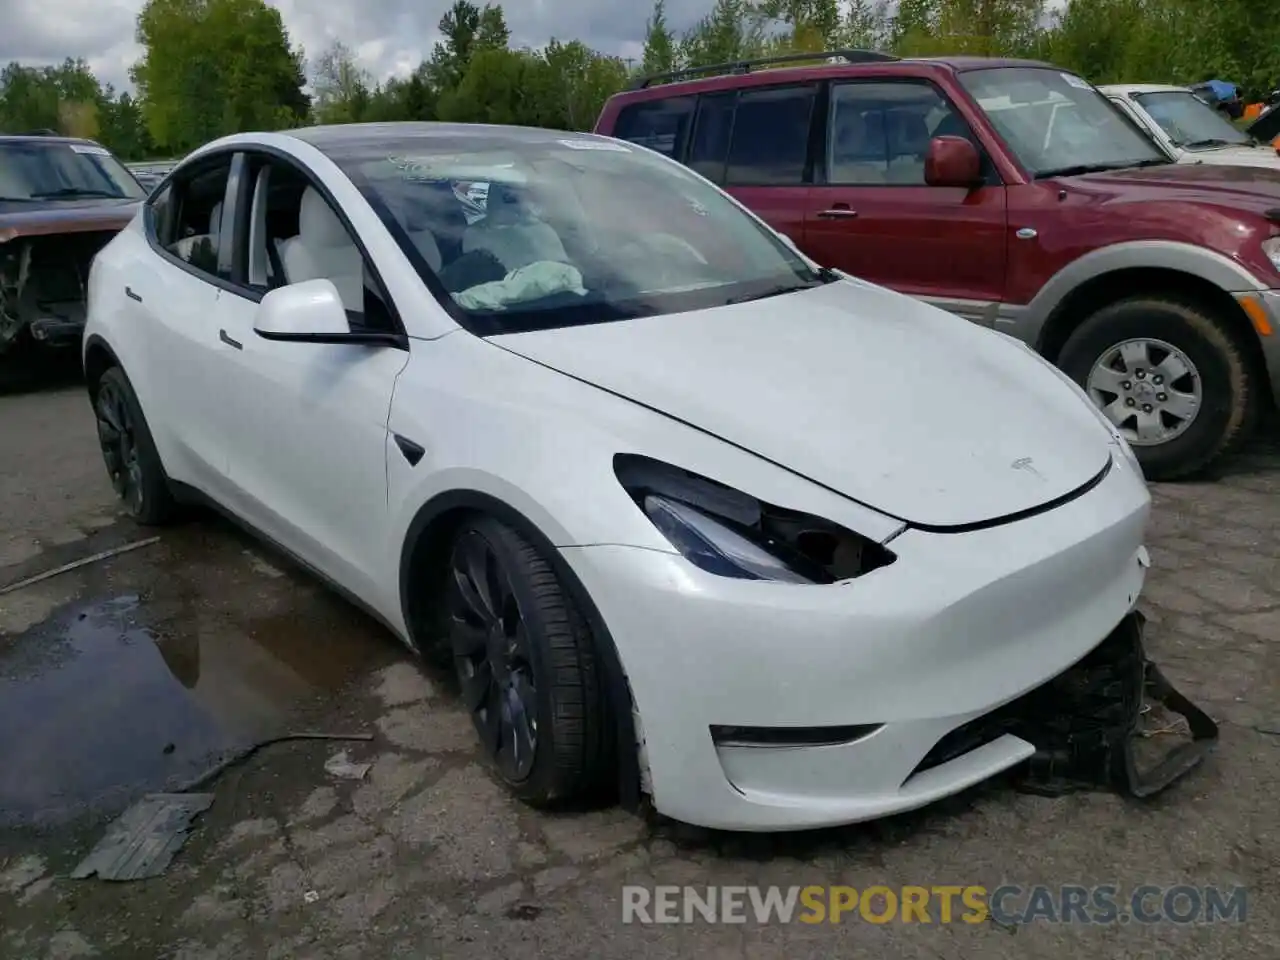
x=1088 y=724
x=1098 y=725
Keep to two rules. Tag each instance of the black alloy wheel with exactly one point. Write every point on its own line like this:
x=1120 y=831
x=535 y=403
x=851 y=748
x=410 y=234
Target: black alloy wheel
x=490 y=642
x=117 y=436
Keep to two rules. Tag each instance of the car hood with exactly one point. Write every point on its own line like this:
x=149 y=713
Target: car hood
x=79 y=216
x=1252 y=188
x=878 y=396
x=1259 y=156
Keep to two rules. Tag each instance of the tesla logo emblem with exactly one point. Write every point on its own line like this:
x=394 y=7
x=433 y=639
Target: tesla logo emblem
x=1024 y=463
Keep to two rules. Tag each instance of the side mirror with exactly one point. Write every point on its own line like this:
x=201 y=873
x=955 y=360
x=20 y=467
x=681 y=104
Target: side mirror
x=311 y=311
x=302 y=311
x=790 y=243
x=952 y=162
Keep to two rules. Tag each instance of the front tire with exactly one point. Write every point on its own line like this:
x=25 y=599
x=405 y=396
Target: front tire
x=526 y=665
x=134 y=466
x=1170 y=377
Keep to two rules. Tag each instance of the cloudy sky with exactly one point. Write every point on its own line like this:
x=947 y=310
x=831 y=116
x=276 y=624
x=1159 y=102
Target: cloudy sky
x=390 y=36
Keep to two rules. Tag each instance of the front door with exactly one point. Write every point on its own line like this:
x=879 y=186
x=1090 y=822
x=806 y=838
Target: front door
x=874 y=216
x=309 y=462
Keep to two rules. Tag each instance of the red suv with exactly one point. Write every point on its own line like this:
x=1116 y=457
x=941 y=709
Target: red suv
x=1013 y=194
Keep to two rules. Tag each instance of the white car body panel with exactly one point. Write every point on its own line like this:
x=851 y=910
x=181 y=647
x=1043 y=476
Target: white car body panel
x=1262 y=155
x=893 y=409
x=733 y=372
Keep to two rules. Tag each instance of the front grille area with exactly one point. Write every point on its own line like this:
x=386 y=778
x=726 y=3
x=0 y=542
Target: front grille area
x=1074 y=719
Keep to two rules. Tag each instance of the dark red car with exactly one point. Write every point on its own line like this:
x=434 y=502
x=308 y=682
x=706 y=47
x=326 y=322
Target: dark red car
x=61 y=200
x=1015 y=195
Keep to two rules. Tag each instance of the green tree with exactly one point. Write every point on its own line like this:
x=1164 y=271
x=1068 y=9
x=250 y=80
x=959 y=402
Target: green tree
x=343 y=90
x=467 y=30
x=212 y=67
x=659 y=42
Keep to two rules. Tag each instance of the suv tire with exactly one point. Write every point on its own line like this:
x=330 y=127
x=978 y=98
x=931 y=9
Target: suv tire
x=1222 y=375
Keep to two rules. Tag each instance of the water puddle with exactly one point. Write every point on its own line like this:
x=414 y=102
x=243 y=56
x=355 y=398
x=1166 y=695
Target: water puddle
x=99 y=703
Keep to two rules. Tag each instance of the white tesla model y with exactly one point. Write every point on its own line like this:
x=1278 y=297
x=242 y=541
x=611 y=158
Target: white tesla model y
x=693 y=517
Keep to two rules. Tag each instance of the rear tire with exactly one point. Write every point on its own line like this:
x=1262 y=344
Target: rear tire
x=1126 y=355
x=523 y=652
x=130 y=455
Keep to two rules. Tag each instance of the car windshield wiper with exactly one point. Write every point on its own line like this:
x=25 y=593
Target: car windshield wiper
x=1206 y=142
x=78 y=192
x=777 y=291
x=1083 y=168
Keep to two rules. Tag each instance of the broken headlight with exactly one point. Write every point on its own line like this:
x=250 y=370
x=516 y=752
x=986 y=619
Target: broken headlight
x=732 y=534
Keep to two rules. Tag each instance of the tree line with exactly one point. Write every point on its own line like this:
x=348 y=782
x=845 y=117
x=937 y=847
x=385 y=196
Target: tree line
x=212 y=67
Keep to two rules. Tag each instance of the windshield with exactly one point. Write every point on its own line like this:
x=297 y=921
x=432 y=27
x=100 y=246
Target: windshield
x=529 y=231
x=1189 y=121
x=1056 y=123
x=34 y=170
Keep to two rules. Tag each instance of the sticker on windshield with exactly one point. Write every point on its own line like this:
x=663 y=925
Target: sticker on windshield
x=91 y=149
x=595 y=145
x=1075 y=81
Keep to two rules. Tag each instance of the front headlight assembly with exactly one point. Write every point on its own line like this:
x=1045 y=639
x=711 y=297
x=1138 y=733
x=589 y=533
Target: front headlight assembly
x=731 y=534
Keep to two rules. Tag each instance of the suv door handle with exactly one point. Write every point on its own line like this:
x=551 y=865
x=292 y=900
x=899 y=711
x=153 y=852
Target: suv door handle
x=222 y=335
x=128 y=292
x=838 y=212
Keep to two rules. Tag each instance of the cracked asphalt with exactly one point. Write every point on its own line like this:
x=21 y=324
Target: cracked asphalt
x=139 y=671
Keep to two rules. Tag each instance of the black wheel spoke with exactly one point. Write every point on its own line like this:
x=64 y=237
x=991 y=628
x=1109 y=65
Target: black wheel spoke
x=524 y=723
x=471 y=577
x=467 y=639
x=475 y=678
x=490 y=644
x=491 y=724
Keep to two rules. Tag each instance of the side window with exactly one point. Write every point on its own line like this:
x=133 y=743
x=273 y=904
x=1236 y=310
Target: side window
x=770 y=137
x=709 y=148
x=879 y=133
x=187 y=216
x=294 y=234
x=661 y=125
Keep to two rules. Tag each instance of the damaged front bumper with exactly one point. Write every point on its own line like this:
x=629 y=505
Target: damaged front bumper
x=1087 y=725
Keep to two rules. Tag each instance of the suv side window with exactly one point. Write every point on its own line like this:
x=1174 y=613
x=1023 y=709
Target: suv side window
x=770 y=137
x=187 y=215
x=709 y=148
x=879 y=133
x=661 y=125
x=293 y=234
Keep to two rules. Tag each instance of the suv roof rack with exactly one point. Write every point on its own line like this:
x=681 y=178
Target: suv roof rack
x=745 y=66
x=42 y=132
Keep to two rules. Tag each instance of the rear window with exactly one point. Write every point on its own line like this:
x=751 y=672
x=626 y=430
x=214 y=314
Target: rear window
x=770 y=137
x=661 y=125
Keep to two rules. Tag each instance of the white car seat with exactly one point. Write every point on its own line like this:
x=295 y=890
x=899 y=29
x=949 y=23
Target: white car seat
x=323 y=250
x=511 y=234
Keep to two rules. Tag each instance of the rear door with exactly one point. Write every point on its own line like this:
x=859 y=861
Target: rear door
x=178 y=293
x=755 y=144
x=871 y=213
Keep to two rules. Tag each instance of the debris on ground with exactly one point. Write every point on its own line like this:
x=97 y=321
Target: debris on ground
x=77 y=564
x=340 y=766
x=143 y=841
x=145 y=838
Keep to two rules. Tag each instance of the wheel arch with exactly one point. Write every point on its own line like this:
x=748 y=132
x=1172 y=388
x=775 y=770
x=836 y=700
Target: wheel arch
x=98 y=359
x=1122 y=283
x=424 y=550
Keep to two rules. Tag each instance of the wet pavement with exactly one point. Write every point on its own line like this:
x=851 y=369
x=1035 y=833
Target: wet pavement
x=142 y=670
